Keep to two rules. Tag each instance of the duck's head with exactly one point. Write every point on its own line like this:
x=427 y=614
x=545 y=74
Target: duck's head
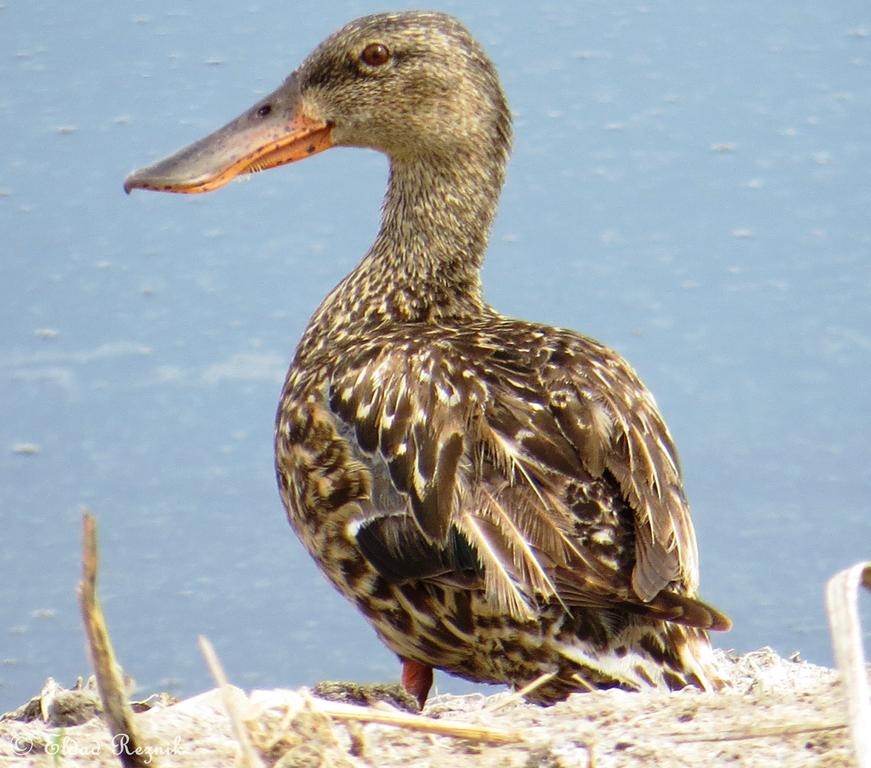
x=412 y=85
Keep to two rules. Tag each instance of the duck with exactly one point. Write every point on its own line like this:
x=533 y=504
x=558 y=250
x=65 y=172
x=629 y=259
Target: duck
x=500 y=499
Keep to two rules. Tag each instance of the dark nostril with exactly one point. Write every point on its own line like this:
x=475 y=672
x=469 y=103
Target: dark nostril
x=264 y=110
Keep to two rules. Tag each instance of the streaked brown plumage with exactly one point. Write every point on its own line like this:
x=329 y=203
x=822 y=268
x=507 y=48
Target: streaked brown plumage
x=501 y=499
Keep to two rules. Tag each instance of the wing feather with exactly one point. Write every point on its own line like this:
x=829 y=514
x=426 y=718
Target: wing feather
x=551 y=461
x=607 y=412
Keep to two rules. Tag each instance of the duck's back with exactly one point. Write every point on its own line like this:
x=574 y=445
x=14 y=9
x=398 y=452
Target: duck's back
x=501 y=499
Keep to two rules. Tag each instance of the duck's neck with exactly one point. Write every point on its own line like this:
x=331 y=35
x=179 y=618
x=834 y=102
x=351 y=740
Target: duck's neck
x=425 y=262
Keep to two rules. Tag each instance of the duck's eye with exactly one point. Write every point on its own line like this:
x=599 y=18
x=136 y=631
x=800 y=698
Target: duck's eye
x=375 y=55
x=264 y=110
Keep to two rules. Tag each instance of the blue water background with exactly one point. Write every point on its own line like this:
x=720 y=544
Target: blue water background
x=691 y=183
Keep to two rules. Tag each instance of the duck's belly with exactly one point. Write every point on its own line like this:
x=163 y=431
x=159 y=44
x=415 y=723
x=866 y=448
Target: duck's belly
x=459 y=632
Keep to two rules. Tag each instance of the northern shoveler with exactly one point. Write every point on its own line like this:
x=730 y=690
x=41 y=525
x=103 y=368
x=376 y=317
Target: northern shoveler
x=501 y=499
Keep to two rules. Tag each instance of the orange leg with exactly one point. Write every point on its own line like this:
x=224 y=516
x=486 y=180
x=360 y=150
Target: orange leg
x=416 y=679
